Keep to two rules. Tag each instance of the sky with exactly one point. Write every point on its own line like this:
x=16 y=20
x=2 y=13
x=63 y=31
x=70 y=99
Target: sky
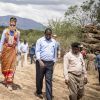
x=38 y=10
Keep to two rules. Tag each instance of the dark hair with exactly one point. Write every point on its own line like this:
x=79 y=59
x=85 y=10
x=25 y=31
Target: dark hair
x=48 y=30
x=91 y=50
x=13 y=19
x=33 y=44
x=75 y=45
x=25 y=41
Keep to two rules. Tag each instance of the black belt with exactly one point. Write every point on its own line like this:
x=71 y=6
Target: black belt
x=47 y=61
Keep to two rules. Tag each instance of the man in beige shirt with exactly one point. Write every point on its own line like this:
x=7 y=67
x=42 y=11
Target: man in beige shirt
x=75 y=72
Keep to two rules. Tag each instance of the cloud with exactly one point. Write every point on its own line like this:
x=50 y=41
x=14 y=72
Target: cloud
x=38 y=13
x=37 y=2
x=43 y=2
x=38 y=10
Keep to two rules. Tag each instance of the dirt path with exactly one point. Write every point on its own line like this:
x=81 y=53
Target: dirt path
x=25 y=83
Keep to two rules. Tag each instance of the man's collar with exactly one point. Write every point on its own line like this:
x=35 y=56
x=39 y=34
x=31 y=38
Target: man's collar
x=75 y=54
x=47 y=40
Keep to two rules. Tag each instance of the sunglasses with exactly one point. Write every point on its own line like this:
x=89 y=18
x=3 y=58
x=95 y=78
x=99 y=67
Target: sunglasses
x=12 y=25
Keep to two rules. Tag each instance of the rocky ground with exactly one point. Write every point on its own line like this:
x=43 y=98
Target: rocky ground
x=25 y=85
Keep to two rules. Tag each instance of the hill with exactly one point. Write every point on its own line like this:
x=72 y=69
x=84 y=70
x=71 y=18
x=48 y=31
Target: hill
x=23 y=23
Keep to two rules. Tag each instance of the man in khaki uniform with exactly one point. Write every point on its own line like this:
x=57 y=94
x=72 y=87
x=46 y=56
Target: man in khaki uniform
x=75 y=72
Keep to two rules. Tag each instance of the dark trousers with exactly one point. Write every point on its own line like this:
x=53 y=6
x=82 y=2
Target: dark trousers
x=99 y=74
x=47 y=71
x=32 y=58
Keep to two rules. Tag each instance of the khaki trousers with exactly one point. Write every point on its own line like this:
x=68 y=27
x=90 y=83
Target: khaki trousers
x=76 y=86
x=23 y=59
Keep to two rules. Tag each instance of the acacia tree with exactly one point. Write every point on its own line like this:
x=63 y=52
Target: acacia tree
x=76 y=16
x=88 y=12
x=97 y=7
x=71 y=14
x=88 y=7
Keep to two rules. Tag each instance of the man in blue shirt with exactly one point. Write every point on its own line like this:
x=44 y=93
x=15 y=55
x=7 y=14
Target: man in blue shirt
x=32 y=53
x=46 y=53
x=98 y=64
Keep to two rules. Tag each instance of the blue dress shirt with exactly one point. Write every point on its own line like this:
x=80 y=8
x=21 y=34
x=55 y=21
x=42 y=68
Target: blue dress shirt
x=46 y=49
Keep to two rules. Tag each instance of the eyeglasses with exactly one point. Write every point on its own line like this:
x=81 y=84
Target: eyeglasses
x=12 y=25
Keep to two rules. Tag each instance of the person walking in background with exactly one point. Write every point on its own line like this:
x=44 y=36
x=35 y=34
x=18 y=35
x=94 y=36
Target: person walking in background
x=58 y=53
x=83 y=51
x=74 y=72
x=91 y=61
x=24 y=52
x=97 y=64
x=8 y=50
x=19 y=54
x=58 y=47
x=46 y=54
x=32 y=53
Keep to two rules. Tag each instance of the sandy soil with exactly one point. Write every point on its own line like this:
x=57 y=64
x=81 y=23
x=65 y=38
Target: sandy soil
x=25 y=85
